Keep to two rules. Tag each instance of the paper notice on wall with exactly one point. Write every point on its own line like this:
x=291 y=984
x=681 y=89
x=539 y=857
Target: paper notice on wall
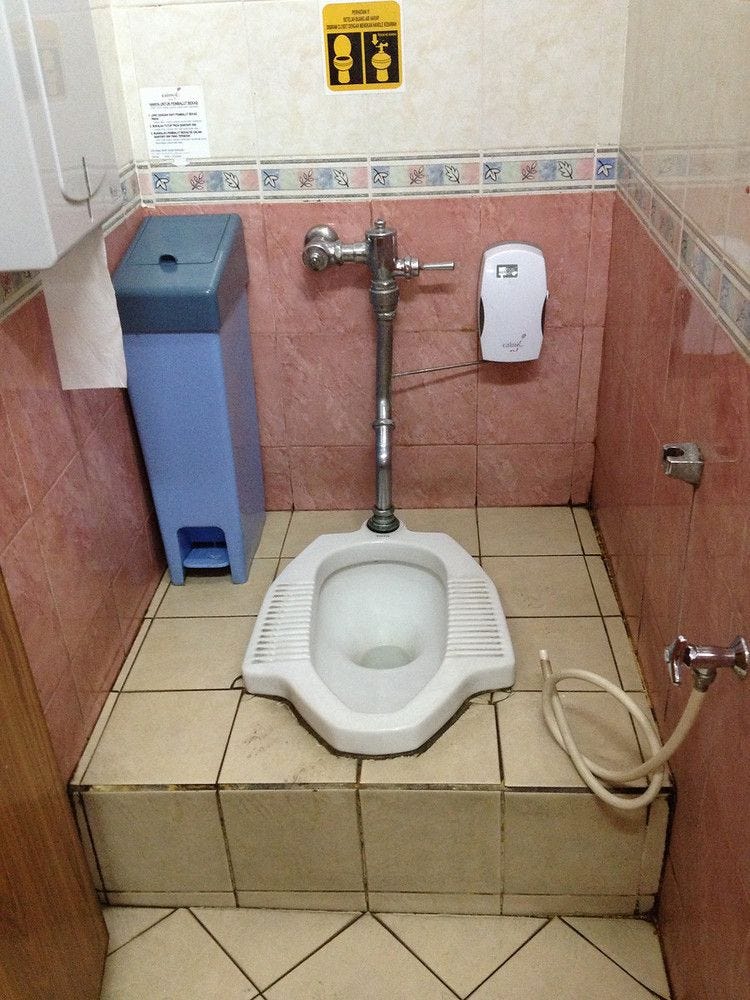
x=175 y=119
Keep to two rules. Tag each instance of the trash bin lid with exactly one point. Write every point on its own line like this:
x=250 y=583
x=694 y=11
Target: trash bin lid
x=181 y=274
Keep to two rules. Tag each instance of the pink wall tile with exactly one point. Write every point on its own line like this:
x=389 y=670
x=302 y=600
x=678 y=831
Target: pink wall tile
x=437 y=229
x=436 y=409
x=434 y=476
x=25 y=575
x=682 y=961
x=582 y=474
x=560 y=225
x=269 y=397
x=62 y=714
x=533 y=401
x=277 y=478
x=332 y=478
x=13 y=500
x=97 y=659
x=134 y=582
x=524 y=474
x=329 y=387
x=337 y=298
x=588 y=388
x=598 y=266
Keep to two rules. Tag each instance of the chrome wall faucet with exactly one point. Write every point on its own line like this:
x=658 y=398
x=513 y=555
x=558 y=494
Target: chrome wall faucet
x=379 y=251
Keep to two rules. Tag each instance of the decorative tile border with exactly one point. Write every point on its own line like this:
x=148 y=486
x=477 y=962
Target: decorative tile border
x=565 y=169
x=313 y=179
x=416 y=175
x=711 y=273
x=201 y=181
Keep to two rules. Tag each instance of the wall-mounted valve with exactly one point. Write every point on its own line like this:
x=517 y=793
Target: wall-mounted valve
x=683 y=461
x=703 y=661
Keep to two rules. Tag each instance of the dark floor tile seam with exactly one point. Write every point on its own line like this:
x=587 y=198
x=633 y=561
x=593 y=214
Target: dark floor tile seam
x=141 y=933
x=361 y=834
x=161 y=599
x=221 y=947
x=413 y=953
x=546 y=922
x=178 y=690
x=614 y=961
x=357 y=917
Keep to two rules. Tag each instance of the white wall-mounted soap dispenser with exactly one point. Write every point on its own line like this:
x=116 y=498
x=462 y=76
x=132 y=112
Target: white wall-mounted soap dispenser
x=57 y=156
x=512 y=293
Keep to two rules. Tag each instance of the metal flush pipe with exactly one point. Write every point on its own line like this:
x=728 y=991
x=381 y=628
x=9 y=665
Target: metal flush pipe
x=379 y=251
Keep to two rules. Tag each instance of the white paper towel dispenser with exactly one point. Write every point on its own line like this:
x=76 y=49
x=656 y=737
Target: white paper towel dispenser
x=512 y=293
x=57 y=156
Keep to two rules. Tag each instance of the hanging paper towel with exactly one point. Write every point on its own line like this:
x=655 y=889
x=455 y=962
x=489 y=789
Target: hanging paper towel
x=83 y=315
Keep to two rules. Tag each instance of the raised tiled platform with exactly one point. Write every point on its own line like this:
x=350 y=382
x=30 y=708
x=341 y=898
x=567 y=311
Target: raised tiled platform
x=193 y=793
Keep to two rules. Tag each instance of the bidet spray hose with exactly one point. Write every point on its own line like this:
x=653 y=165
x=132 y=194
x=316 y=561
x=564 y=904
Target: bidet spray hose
x=590 y=771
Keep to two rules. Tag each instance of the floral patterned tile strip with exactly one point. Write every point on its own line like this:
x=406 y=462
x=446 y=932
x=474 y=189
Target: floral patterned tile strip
x=417 y=173
x=344 y=179
x=538 y=172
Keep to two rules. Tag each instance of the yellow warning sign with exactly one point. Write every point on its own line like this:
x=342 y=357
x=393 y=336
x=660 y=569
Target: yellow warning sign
x=363 y=45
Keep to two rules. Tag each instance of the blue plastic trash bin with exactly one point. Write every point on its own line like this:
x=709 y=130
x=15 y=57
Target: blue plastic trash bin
x=182 y=296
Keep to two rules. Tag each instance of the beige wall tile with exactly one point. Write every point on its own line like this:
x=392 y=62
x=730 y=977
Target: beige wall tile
x=534 y=586
x=572 y=643
x=605 y=595
x=436 y=902
x=217 y=596
x=459 y=523
x=556 y=905
x=163 y=738
x=88 y=847
x=184 y=653
x=113 y=93
x=295 y=839
x=200 y=44
x=570 y=843
x=432 y=841
x=527 y=531
x=654 y=846
x=269 y=746
x=172 y=899
x=306 y=525
x=532 y=758
x=159 y=841
x=302 y=900
x=465 y=754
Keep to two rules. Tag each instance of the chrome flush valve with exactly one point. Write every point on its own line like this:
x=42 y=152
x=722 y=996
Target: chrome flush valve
x=703 y=661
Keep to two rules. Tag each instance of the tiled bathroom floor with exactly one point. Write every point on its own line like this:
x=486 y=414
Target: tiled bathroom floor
x=202 y=954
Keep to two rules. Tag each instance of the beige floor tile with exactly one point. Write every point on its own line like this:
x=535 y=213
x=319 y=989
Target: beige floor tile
x=432 y=841
x=437 y=902
x=268 y=746
x=458 y=522
x=188 y=653
x=159 y=841
x=365 y=961
x=306 y=525
x=283 y=563
x=164 y=738
x=268 y=943
x=340 y=901
x=465 y=754
x=572 y=644
x=93 y=740
x=557 y=964
x=540 y=905
x=132 y=653
x=176 y=958
x=216 y=596
x=126 y=922
x=274 y=533
x=627 y=664
x=604 y=592
x=531 y=757
x=654 y=846
x=633 y=944
x=527 y=531
x=586 y=531
x=158 y=595
x=569 y=842
x=172 y=899
x=294 y=839
x=538 y=586
x=461 y=950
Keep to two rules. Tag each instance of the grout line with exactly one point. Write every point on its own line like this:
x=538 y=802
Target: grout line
x=141 y=933
x=411 y=951
x=614 y=961
x=320 y=947
x=216 y=941
x=225 y=835
x=546 y=923
x=361 y=832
